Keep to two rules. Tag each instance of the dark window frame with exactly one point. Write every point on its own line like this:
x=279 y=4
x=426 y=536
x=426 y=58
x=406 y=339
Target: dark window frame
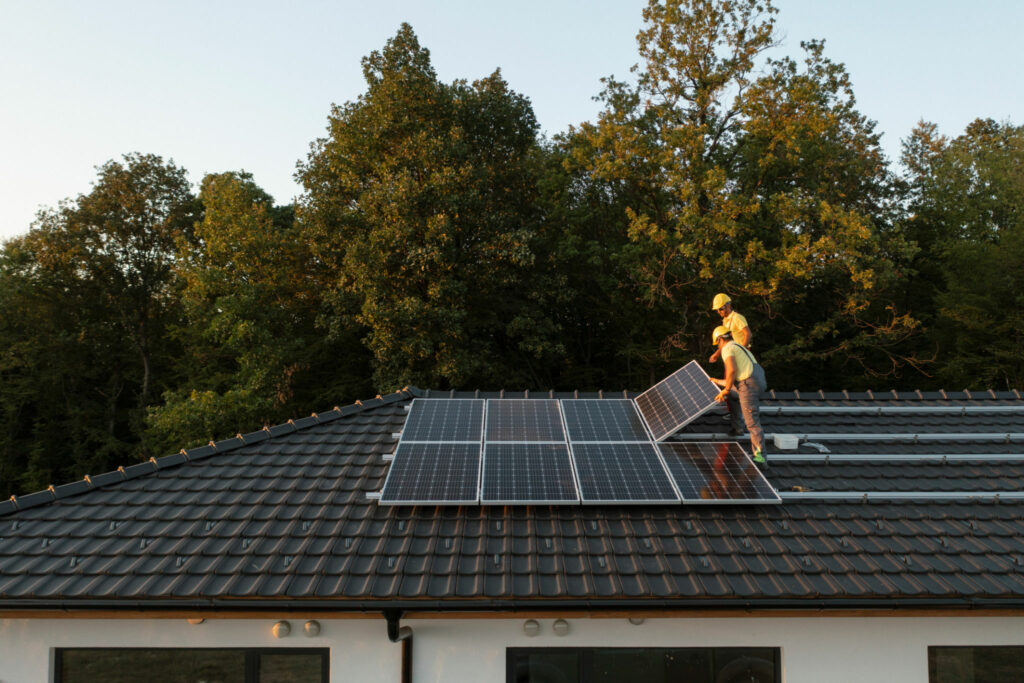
x=586 y=661
x=252 y=657
x=934 y=656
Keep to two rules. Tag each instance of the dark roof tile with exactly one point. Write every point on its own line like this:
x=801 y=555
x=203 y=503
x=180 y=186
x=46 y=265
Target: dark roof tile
x=282 y=513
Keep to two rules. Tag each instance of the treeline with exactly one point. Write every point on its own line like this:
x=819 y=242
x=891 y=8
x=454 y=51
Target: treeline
x=440 y=241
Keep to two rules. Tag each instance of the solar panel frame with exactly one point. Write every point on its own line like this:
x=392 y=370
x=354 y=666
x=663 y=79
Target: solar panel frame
x=429 y=409
x=420 y=460
x=585 y=418
x=497 y=417
x=721 y=467
x=677 y=400
x=582 y=460
x=535 y=491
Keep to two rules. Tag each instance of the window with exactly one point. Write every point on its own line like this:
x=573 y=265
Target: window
x=174 y=665
x=651 y=665
x=975 y=664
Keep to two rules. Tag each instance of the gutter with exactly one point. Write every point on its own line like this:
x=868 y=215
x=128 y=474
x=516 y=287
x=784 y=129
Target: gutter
x=405 y=607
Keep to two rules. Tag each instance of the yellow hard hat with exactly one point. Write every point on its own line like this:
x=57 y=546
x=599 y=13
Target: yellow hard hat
x=720 y=300
x=719 y=331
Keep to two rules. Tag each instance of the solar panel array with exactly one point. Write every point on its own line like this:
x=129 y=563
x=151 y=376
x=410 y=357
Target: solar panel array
x=559 y=452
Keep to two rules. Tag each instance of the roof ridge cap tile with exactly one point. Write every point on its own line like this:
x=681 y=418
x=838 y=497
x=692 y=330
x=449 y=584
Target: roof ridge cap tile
x=73 y=488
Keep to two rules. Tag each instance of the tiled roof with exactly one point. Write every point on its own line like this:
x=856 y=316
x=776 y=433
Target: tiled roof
x=282 y=515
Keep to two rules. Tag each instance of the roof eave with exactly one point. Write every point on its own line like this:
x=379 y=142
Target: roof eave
x=653 y=605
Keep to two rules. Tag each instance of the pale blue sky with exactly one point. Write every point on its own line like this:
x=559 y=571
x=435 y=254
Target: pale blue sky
x=228 y=85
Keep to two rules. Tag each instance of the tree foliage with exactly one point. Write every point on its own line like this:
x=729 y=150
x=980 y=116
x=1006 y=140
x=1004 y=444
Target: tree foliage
x=86 y=299
x=757 y=176
x=967 y=211
x=253 y=353
x=421 y=200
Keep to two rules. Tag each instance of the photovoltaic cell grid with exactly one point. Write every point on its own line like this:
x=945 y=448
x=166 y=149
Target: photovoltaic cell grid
x=527 y=473
x=444 y=419
x=524 y=420
x=677 y=400
x=719 y=472
x=434 y=474
x=622 y=473
x=602 y=453
x=603 y=420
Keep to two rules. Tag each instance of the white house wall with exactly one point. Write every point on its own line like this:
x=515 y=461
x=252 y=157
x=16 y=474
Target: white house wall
x=834 y=649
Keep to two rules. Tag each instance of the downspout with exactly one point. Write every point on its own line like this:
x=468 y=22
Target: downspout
x=398 y=633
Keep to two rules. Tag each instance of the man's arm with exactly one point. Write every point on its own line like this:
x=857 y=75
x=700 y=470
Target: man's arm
x=743 y=336
x=730 y=377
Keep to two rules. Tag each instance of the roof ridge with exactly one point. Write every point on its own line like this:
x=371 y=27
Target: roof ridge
x=154 y=464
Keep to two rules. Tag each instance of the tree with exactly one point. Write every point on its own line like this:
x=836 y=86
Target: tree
x=87 y=298
x=421 y=201
x=967 y=210
x=252 y=351
x=755 y=176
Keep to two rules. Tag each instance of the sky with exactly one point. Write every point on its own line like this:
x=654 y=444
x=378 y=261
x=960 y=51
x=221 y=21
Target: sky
x=226 y=85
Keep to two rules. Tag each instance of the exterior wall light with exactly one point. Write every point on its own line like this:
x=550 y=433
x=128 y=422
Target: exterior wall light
x=560 y=627
x=281 y=629
x=311 y=628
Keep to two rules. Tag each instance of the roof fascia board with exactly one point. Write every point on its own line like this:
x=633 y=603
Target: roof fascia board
x=658 y=605
x=610 y=613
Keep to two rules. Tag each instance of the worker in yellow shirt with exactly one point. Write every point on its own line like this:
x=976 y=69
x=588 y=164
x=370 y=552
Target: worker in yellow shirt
x=733 y=321
x=745 y=380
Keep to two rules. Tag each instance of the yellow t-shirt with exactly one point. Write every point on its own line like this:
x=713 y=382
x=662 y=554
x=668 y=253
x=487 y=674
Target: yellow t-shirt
x=735 y=322
x=743 y=359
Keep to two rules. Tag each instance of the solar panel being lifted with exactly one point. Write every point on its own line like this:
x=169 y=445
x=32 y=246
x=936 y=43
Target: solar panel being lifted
x=527 y=473
x=521 y=419
x=721 y=472
x=677 y=400
x=630 y=473
x=603 y=420
x=433 y=474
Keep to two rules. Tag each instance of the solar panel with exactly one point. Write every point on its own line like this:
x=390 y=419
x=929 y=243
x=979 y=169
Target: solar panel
x=718 y=472
x=521 y=473
x=677 y=400
x=524 y=420
x=433 y=473
x=603 y=420
x=444 y=419
x=622 y=473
